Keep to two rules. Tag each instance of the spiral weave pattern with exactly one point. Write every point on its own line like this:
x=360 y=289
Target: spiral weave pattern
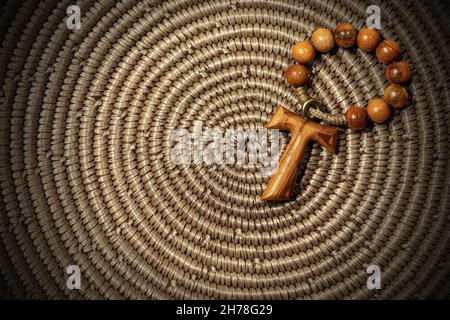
x=86 y=178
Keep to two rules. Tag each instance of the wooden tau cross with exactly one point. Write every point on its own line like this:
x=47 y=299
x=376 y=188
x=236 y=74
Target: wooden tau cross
x=281 y=185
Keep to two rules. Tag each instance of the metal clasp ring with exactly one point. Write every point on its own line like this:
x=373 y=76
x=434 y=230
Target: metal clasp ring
x=306 y=106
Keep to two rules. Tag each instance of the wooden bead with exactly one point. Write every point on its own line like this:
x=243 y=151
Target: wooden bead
x=356 y=118
x=396 y=96
x=368 y=39
x=303 y=52
x=398 y=72
x=296 y=75
x=388 y=51
x=345 y=35
x=378 y=111
x=323 y=40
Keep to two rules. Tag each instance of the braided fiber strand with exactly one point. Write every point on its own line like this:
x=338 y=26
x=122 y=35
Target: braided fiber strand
x=310 y=109
x=86 y=178
x=335 y=120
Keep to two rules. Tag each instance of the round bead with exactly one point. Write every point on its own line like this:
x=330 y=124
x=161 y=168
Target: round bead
x=323 y=40
x=296 y=75
x=356 y=118
x=368 y=39
x=398 y=72
x=388 y=51
x=303 y=52
x=378 y=111
x=345 y=35
x=396 y=96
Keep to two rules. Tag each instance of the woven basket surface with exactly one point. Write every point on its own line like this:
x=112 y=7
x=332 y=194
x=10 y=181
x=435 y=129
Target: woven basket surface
x=86 y=178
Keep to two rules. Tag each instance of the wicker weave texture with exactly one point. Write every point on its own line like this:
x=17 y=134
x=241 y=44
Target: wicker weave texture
x=86 y=178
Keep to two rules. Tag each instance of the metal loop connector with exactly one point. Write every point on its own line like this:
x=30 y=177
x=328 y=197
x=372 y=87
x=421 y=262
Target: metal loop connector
x=311 y=109
x=305 y=108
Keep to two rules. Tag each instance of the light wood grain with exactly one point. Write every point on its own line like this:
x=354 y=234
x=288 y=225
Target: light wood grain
x=281 y=185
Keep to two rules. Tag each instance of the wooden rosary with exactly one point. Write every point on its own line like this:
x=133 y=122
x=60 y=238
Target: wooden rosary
x=281 y=185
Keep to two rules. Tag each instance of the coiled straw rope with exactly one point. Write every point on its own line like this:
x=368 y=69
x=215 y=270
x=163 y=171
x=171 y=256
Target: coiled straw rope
x=86 y=178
